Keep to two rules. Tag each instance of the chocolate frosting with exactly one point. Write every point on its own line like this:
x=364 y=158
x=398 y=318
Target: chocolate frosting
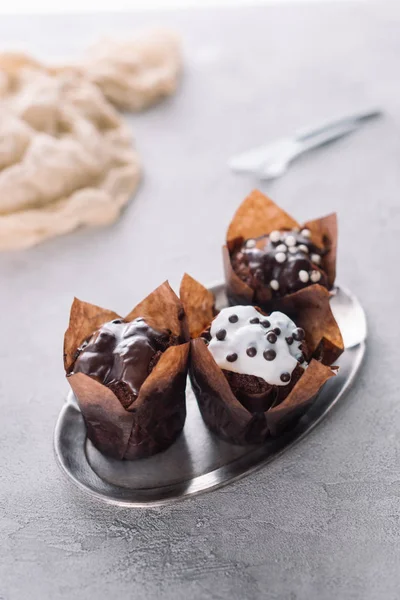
x=286 y=261
x=121 y=355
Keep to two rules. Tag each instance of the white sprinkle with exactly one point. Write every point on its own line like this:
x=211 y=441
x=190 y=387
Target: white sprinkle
x=306 y=233
x=290 y=240
x=274 y=283
x=250 y=243
x=281 y=248
x=275 y=236
x=280 y=257
x=315 y=276
x=293 y=249
x=303 y=248
x=315 y=258
x=304 y=276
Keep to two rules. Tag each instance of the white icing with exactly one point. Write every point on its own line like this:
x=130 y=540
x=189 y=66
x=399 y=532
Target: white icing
x=304 y=276
x=306 y=233
x=315 y=276
x=250 y=243
x=275 y=236
x=293 y=249
x=282 y=248
x=280 y=257
x=243 y=335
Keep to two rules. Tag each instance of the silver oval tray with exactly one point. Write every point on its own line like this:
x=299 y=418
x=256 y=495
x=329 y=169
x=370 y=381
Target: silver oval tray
x=198 y=461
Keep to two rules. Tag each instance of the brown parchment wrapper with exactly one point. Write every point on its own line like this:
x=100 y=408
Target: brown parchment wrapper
x=221 y=410
x=152 y=422
x=200 y=303
x=259 y=215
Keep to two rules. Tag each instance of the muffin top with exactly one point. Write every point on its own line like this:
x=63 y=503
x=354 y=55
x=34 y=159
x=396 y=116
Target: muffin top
x=284 y=261
x=122 y=354
x=245 y=341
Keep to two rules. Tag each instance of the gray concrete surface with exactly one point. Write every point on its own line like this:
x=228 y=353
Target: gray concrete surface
x=320 y=522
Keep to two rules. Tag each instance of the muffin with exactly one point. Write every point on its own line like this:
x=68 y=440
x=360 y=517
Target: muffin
x=129 y=374
x=255 y=374
x=268 y=256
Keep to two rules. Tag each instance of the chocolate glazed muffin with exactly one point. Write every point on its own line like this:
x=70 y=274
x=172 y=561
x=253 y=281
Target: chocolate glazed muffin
x=129 y=374
x=284 y=261
x=269 y=257
x=121 y=355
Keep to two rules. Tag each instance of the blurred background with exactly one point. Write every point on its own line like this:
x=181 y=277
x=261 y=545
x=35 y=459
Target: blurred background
x=248 y=73
x=76 y=5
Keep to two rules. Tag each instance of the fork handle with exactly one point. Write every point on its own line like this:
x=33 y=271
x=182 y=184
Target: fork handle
x=305 y=134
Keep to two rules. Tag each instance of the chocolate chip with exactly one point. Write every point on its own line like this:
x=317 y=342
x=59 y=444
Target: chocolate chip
x=251 y=351
x=254 y=321
x=266 y=323
x=269 y=354
x=221 y=335
x=301 y=358
x=117 y=321
x=285 y=377
x=289 y=340
x=271 y=337
x=232 y=357
x=233 y=319
x=277 y=331
x=299 y=334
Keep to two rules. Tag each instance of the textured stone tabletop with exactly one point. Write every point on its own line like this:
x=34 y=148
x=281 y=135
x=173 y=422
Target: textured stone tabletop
x=320 y=522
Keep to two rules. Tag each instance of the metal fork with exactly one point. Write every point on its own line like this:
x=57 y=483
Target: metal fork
x=272 y=160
